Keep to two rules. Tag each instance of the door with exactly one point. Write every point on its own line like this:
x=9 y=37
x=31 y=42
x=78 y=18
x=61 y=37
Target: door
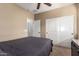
x=51 y=29
x=36 y=28
x=60 y=30
x=65 y=30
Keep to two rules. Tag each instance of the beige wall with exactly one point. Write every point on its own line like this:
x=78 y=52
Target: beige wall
x=67 y=10
x=77 y=5
x=13 y=20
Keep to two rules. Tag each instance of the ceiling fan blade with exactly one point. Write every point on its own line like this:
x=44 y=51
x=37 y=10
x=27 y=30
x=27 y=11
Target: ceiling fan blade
x=49 y=4
x=38 y=6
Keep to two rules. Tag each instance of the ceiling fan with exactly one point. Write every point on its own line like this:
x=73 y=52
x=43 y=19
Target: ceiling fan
x=48 y=4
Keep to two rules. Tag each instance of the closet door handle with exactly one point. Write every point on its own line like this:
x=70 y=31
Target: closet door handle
x=72 y=33
x=39 y=32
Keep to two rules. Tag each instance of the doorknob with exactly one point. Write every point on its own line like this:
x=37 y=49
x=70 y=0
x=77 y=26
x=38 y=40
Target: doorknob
x=72 y=33
x=39 y=32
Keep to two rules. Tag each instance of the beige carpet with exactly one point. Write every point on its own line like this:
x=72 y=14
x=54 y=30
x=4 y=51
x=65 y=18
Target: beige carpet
x=60 y=51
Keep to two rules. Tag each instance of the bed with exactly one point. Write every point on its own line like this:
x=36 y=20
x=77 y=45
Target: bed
x=27 y=46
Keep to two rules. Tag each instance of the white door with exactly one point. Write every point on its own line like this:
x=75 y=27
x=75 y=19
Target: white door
x=65 y=30
x=51 y=29
x=60 y=30
x=36 y=28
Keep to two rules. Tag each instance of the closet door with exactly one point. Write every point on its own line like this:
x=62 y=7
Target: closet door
x=36 y=28
x=65 y=30
x=60 y=30
x=51 y=29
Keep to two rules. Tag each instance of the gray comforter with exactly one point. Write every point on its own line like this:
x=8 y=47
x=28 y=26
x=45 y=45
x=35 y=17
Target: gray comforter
x=28 y=46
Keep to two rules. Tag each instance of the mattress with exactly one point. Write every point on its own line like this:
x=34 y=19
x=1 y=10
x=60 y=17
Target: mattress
x=28 y=46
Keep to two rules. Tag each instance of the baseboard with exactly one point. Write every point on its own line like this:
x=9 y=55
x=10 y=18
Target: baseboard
x=61 y=46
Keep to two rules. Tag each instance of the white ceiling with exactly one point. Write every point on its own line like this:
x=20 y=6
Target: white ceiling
x=43 y=8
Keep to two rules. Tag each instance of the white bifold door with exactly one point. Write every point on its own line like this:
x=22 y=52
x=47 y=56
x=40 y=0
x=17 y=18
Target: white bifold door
x=60 y=30
x=36 y=28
